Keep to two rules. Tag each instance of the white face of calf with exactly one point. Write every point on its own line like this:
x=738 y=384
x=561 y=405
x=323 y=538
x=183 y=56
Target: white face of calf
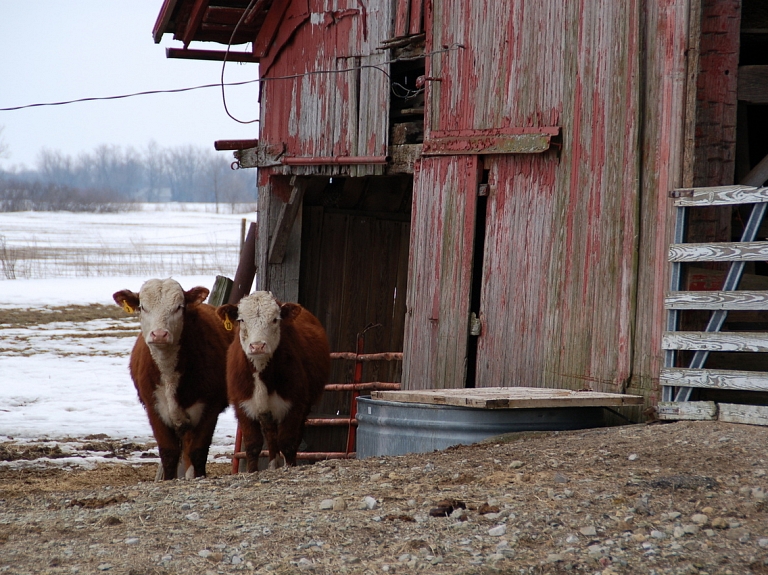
x=162 y=311
x=259 y=317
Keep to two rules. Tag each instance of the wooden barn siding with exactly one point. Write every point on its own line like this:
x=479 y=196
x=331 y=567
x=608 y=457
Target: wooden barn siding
x=664 y=145
x=281 y=279
x=440 y=273
x=492 y=84
x=342 y=113
x=559 y=275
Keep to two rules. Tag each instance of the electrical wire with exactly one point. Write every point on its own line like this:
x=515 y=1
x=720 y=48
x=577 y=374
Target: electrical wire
x=245 y=13
x=145 y=93
x=450 y=48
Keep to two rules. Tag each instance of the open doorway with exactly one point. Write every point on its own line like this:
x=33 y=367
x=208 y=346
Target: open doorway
x=353 y=275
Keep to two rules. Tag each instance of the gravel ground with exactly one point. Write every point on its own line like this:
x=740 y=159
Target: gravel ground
x=685 y=497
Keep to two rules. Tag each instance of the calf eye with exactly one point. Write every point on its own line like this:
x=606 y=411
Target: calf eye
x=274 y=320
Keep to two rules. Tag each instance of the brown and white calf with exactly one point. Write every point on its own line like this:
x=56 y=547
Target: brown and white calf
x=178 y=365
x=277 y=368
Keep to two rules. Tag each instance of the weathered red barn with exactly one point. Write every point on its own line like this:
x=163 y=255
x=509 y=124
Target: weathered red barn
x=488 y=180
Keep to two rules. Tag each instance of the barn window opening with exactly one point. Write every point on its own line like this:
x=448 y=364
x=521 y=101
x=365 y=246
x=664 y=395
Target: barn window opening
x=477 y=278
x=406 y=110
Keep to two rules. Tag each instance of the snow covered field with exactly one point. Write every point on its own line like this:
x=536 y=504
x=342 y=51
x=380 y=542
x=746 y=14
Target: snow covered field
x=69 y=379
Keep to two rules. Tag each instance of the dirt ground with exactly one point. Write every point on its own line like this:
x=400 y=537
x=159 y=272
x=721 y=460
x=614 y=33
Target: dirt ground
x=685 y=497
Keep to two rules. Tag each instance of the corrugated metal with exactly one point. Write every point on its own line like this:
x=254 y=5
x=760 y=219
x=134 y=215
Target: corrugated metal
x=440 y=272
x=396 y=428
x=336 y=99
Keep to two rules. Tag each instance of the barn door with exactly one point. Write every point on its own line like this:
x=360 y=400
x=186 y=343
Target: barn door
x=440 y=276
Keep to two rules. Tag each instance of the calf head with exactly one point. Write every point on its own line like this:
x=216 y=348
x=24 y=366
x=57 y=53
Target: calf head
x=259 y=316
x=161 y=305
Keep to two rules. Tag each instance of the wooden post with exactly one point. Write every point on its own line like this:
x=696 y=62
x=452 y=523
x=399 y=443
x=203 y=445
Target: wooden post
x=246 y=269
x=220 y=292
x=242 y=235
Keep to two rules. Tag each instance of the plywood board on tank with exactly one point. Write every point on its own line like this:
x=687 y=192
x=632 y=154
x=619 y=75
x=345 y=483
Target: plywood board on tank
x=509 y=397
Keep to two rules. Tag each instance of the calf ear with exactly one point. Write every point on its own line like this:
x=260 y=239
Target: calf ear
x=228 y=314
x=126 y=299
x=196 y=296
x=289 y=311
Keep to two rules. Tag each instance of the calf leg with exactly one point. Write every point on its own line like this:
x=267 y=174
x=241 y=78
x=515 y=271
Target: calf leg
x=253 y=440
x=197 y=442
x=168 y=444
x=269 y=428
x=290 y=433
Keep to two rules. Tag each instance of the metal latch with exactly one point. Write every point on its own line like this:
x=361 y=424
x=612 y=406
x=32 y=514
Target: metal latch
x=681 y=193
x=475 y=325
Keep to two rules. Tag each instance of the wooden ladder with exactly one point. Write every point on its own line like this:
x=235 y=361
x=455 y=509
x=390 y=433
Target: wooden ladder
x=679 y=382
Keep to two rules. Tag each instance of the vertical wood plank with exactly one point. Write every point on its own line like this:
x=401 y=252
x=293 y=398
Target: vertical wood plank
x=664 y=97
x=402 y=17
x=439 y=282
x=416 y=19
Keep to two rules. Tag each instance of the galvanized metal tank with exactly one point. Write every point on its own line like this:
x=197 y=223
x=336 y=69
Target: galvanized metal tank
x=397 y=428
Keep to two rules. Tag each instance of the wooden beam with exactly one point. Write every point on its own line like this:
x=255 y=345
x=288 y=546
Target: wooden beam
x=730 y=300
x=257 y=8
x=269 y=28
x=246 y=268
x=719 y=252
x=285 y=220
x=502 y=144
x=222 y=145
x=195 y=19
x=163 y=19
x=715 y=341
x=749 y=414
x=719 y=196
x=215 y=55
x=509 y=397
x=714 y=379
x=753 y=84
x=758 y=175
x=222 y=287
x=688 y=410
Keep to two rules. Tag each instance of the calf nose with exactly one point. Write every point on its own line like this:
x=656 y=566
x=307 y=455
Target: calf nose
x=159 y=335
x=258 y=347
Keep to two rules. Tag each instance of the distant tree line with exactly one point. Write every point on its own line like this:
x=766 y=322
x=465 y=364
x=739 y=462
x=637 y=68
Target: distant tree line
x=111 y=174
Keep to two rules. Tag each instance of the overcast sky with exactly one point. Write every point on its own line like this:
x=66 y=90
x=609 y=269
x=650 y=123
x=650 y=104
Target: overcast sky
x=53 y=51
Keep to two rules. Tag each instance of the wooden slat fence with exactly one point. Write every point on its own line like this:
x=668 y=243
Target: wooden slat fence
x=678 y=381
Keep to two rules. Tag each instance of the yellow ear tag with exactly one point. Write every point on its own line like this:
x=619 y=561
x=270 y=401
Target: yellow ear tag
x=127 y=307
x=228 y=325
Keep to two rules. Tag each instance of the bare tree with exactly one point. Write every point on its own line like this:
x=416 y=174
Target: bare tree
x=55 y=167
x=155 y=171
x=4 y=150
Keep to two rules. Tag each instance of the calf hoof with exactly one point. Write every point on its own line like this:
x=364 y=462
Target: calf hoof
x=278 y=461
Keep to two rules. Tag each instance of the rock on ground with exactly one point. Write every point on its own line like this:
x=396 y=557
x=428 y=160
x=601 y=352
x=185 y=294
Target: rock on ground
x=692 y=500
